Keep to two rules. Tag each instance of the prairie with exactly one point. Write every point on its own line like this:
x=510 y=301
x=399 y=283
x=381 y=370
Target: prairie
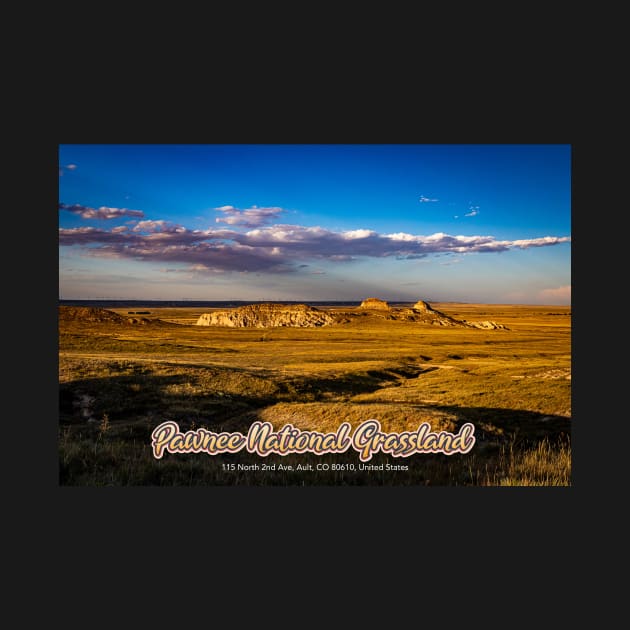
x=118 y=382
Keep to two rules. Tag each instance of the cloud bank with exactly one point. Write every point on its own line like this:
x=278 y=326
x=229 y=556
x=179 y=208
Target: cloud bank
x=100 y=213
x=275 y=249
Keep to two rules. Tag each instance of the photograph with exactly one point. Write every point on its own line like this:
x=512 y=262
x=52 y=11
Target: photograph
x=314 y=315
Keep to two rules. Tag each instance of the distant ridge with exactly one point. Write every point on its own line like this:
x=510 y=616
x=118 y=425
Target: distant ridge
x=91 y=314
x=135 y=304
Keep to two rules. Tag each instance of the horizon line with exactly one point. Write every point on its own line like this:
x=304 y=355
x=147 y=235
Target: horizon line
x=301 y=301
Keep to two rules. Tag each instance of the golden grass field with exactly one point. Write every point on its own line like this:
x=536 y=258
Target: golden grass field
x=513 y=385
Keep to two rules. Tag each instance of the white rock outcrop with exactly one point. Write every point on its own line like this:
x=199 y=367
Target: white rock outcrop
x=267 y=316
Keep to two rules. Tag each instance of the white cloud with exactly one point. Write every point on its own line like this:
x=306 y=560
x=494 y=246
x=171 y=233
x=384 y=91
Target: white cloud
x=538 y=242
x=103 y=212
x=249 y=218
x=474 y=211
x=150 y=226
x=352 y=234
x=66 y=167
x=424 y=199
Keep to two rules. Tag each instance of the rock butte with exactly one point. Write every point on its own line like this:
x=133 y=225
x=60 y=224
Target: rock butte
x=375 y=303
x=421 y=305
x=267 y=316
x=304 y=316
x=424 y=313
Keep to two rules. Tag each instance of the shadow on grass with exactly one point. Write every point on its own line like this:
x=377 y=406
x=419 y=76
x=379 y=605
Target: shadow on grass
x=347 y=384
x=144 y=398
x=118 y=451
x=494 y=422
x=516 y=425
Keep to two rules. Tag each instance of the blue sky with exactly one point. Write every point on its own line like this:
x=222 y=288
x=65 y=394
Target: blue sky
x=473 y=223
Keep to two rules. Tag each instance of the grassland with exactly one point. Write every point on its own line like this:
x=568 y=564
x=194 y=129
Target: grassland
x=117 y=382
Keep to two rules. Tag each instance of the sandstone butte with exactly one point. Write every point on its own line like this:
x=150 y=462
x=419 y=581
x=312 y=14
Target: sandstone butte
x=375 y=303
x=304 y=316
x=421 y=305
x=267 y=316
